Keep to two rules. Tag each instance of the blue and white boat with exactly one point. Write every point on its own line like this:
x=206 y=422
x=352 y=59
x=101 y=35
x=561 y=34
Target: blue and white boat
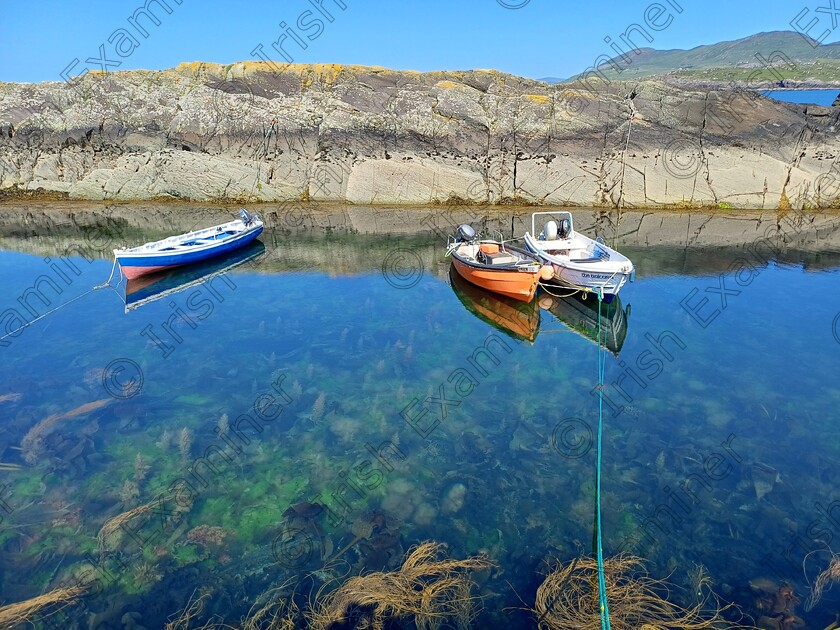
x=155 y=286
x=192 y=247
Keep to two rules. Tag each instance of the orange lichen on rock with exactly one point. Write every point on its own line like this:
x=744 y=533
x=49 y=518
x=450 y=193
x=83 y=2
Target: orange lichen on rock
x=539 y=99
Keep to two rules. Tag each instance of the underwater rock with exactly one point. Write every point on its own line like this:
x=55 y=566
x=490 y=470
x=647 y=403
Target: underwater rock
x=208 y=536
x=381 y=551
x=304 y=510
x=764 y=479
x=130 y=621
x=782 y=622
x=398 y=504
x=401 y=486
x=473 y=448
x=425 y=514
x=33 y=443
x=774 y=605
x=453 y=501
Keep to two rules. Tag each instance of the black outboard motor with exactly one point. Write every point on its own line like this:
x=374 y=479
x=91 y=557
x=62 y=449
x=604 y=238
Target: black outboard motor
x=466 y=233
x=565 y=228
x=245 y=216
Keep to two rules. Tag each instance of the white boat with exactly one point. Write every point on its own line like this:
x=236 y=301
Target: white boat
x=578 y=261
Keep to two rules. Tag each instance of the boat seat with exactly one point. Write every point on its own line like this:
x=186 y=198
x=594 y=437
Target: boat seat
x=597 y=257
x=497 y=258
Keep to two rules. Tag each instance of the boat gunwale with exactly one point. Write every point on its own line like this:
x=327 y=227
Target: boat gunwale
x=509 y=267
x=585 y=267
x=147 y=250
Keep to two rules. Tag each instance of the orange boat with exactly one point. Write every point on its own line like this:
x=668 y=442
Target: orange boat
x=496 y=266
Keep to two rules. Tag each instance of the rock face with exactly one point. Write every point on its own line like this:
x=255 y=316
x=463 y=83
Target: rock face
x=259 y=132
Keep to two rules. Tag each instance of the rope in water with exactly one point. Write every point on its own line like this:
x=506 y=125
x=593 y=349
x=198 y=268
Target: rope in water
x=105 y=284
x=545 y=288
x=602 y=585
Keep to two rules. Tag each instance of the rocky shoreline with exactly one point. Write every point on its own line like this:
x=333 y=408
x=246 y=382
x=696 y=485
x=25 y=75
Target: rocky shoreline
x=256 y=132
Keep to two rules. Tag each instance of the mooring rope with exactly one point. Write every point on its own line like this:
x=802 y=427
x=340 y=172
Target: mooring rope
x=602 y=585
x=545 y=288
x=105 y=284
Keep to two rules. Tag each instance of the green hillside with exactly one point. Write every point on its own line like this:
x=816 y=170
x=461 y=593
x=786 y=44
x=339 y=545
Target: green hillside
x=788 y=53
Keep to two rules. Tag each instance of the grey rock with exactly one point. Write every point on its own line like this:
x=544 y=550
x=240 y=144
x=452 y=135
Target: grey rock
x=248 y=133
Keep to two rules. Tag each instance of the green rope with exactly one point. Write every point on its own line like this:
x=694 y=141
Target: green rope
x=602 y=585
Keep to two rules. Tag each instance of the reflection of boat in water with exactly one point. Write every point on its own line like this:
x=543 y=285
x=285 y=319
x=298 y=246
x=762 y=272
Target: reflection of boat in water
x=580 y=313
x=520 y=320
x=149 y=288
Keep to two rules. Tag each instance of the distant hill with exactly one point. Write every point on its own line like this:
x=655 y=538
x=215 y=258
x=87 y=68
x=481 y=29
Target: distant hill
x=788 y=53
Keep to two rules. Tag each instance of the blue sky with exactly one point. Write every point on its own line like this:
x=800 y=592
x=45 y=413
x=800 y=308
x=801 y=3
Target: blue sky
x=542 y=38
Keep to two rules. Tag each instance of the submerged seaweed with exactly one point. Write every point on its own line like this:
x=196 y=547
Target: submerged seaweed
x=397 y=426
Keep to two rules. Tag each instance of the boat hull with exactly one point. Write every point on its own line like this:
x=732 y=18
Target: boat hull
x=135 y=264
x=567 y=276
x=598 y=276
x=519 y=285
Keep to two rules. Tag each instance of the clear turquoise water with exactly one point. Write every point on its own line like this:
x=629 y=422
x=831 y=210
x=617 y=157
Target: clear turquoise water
x=742 y=407
x=815 y=97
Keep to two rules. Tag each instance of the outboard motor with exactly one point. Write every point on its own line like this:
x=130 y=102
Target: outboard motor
x=245 y=216
x=466 y=233
x=565 y=228
x=550 y=231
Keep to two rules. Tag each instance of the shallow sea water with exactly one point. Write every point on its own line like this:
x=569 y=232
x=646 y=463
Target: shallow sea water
x=348 y=370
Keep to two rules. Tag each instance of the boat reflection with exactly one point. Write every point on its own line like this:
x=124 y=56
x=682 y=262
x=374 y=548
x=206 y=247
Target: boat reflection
x=149 y=288
x=521 y=320
x=517 y=319
x=580 y=313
